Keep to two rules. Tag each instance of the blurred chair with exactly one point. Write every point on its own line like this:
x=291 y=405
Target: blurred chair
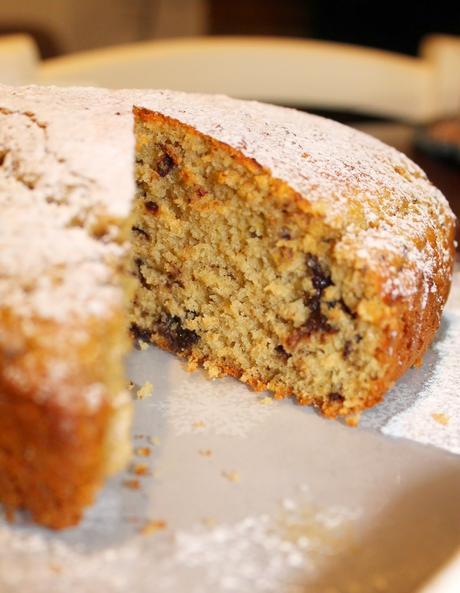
x=302 y=73
x=18 y=59
x=443 y=53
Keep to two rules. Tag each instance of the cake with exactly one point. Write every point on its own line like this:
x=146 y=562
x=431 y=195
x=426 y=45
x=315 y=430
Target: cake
x=281 y=248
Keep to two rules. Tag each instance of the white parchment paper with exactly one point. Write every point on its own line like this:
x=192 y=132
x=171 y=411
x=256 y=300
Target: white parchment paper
x=240 y=493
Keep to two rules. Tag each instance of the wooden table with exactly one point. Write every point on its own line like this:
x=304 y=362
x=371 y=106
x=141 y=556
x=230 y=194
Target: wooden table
x=443 y=174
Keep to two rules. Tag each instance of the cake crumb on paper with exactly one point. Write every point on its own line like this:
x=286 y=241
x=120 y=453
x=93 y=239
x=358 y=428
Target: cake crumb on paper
x=209 y=522
x=353 y=420
x=143 y=451
x=205 y=452
x=140 y=469
x=153 y=526
x=132 y=484
x=265 y=401
x=131 y=385
x=55 y=567
x=143 y=345
x=154 y=440
x=145 y=391
x=199 y=424
x=232 y=476
x=440 y=418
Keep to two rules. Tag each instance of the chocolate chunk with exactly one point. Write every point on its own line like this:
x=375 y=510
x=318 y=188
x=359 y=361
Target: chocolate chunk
x=139 y=231
x=138 y=262
x=346 y=309
x=347 y=348
x=140 y=333
x=282 y=352
x=151 y=206
x=319 y=278
x=164 y=165
x=179 y=339
x=285 y=234
x=317 y=322
x=336 y=397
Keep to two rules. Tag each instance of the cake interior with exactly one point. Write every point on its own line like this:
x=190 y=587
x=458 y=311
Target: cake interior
x=237 y=274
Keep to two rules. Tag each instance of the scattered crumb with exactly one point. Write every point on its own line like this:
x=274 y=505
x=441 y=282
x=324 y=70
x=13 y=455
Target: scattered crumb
x=265 y=401
x=152 y=526
x=205 y=452
x=441 y=418
x=140 y=469
x=145 y=391
x=154 y=440
x=199 y=424
x=131 y=386
x=353 y=420
x=210 y=522
x=55 y=567
x=232 y=476
x=143 y=345
x=143 y=451
x=191 y=366
x=132 y=484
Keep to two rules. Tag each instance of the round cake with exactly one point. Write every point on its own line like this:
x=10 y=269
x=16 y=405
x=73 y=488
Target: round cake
x=287 y=250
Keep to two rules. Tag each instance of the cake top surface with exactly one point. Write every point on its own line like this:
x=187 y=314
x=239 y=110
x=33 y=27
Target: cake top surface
x=67 y=156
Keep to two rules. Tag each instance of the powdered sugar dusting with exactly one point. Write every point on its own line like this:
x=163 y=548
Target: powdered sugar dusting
x=66 y=165
x=65 y=151
x=261 y=553
x=439 y=396
x=221 y=407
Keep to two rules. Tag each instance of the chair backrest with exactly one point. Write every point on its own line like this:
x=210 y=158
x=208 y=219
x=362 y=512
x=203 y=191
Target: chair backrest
x=443 y=53
x=18 y=59
x=305 y=73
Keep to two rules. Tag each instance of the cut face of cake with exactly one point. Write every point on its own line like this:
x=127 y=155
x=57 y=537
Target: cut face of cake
x=277 y=247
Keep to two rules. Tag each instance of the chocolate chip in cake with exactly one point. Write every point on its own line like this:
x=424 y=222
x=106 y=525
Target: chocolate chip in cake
x=347 y=348
x=282 y=352
x=151 y=206
x=285 y=234
x=317 y=322
x=164 y=165
x=139 y=333
x=179 y=339
x=319 y=278
x=346 y=309
x=336 y=397
x=138 y=263
x=139 y=231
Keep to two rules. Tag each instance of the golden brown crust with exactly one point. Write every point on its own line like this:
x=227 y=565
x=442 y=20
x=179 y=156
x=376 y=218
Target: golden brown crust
x=51 y=459
x=55 y=413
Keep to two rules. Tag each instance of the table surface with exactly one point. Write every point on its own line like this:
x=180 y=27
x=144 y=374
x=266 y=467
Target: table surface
x=443 y=174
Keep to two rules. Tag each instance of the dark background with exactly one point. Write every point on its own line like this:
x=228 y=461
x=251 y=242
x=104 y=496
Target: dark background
x=390 y=24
